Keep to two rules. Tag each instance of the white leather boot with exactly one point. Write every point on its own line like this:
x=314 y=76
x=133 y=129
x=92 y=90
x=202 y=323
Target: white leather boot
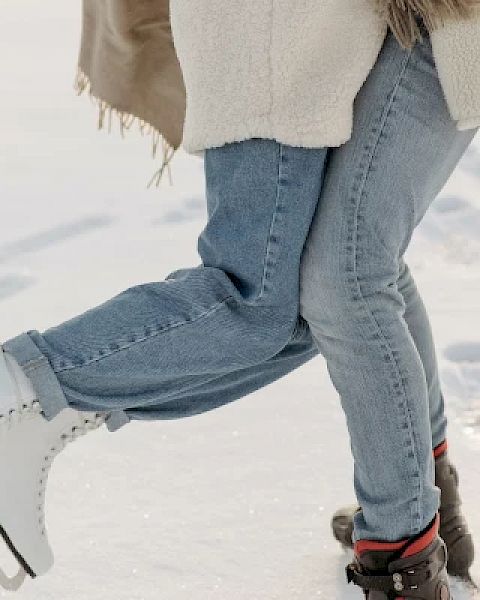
x=28 y=445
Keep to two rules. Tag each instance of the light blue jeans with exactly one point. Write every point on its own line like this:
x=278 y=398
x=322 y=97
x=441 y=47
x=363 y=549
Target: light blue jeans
x=359 y=296
x=209 y=335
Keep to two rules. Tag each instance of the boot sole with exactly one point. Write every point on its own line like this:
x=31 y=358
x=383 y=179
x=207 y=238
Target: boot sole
x=461 y=555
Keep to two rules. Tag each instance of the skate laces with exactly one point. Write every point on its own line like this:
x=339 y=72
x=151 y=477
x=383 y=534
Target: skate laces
x=85 y=425
x=15 y=415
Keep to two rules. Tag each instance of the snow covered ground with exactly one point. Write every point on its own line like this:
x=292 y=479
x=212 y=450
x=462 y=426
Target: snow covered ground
x=234 y=504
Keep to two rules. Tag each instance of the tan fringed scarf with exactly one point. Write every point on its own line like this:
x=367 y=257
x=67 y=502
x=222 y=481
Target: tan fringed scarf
x=129 y=65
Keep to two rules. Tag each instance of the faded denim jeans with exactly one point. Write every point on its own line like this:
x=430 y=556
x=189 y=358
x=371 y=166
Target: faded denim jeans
x=359 y=296
x=209 y=335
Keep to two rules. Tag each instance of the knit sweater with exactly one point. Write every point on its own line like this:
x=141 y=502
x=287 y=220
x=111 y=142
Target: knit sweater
x=290 y=71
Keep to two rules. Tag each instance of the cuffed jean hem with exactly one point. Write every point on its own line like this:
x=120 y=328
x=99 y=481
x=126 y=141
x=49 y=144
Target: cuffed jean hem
x=45 y=383
x=116 y=420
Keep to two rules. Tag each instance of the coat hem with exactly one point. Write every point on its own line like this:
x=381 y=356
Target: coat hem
x=468 y=123
x=335 y=130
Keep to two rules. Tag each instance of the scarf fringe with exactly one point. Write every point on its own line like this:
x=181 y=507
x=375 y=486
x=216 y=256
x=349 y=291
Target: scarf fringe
x=106 y=112
x=402 y=15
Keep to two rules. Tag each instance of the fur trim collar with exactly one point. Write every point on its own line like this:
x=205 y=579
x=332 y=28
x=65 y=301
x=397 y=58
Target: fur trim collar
x=402 y=15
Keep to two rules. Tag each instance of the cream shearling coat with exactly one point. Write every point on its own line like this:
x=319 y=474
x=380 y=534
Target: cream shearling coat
x=291 y=70
x=456 y=47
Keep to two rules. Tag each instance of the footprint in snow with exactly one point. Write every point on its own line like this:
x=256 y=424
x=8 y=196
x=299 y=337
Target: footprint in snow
x=190 y=210
x=450 y=204
x=51 y=237
x=13 y=284
x=461 y=378
x=451 y=229
x=466 y=352
x=470 y=162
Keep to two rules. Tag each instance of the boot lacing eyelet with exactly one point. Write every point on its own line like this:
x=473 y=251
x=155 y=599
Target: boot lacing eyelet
x=65 y=438
x=15 y=415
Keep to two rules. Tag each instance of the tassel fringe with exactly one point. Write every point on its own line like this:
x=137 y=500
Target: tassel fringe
x=402 y=15
x=106 y=112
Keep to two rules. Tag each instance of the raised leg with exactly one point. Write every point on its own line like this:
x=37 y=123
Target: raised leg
x=154 y=350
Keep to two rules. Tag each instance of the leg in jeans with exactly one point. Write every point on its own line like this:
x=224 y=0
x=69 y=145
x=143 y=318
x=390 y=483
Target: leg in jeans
x=420 y=329
x=302 y=348
x=357 y=293
x=224 y=389
x=157 y=344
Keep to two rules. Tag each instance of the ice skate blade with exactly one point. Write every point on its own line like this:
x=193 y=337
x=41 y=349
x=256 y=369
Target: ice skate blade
x=12 y=584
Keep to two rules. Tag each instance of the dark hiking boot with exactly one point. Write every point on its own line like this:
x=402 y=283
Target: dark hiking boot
x=453 y=527
x=408 y=570
x=342 y=525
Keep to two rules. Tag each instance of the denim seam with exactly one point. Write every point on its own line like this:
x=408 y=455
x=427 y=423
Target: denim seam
x=106 y=354
x=34 y=364
x=352 y=252
x=268 y=262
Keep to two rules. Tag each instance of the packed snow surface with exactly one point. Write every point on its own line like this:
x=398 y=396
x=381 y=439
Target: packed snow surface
x=233 y=504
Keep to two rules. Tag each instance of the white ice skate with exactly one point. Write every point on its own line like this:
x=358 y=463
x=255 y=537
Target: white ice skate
x=28 y=445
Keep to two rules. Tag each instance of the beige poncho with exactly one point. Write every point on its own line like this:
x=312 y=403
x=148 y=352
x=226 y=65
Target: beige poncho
x=261 y=68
